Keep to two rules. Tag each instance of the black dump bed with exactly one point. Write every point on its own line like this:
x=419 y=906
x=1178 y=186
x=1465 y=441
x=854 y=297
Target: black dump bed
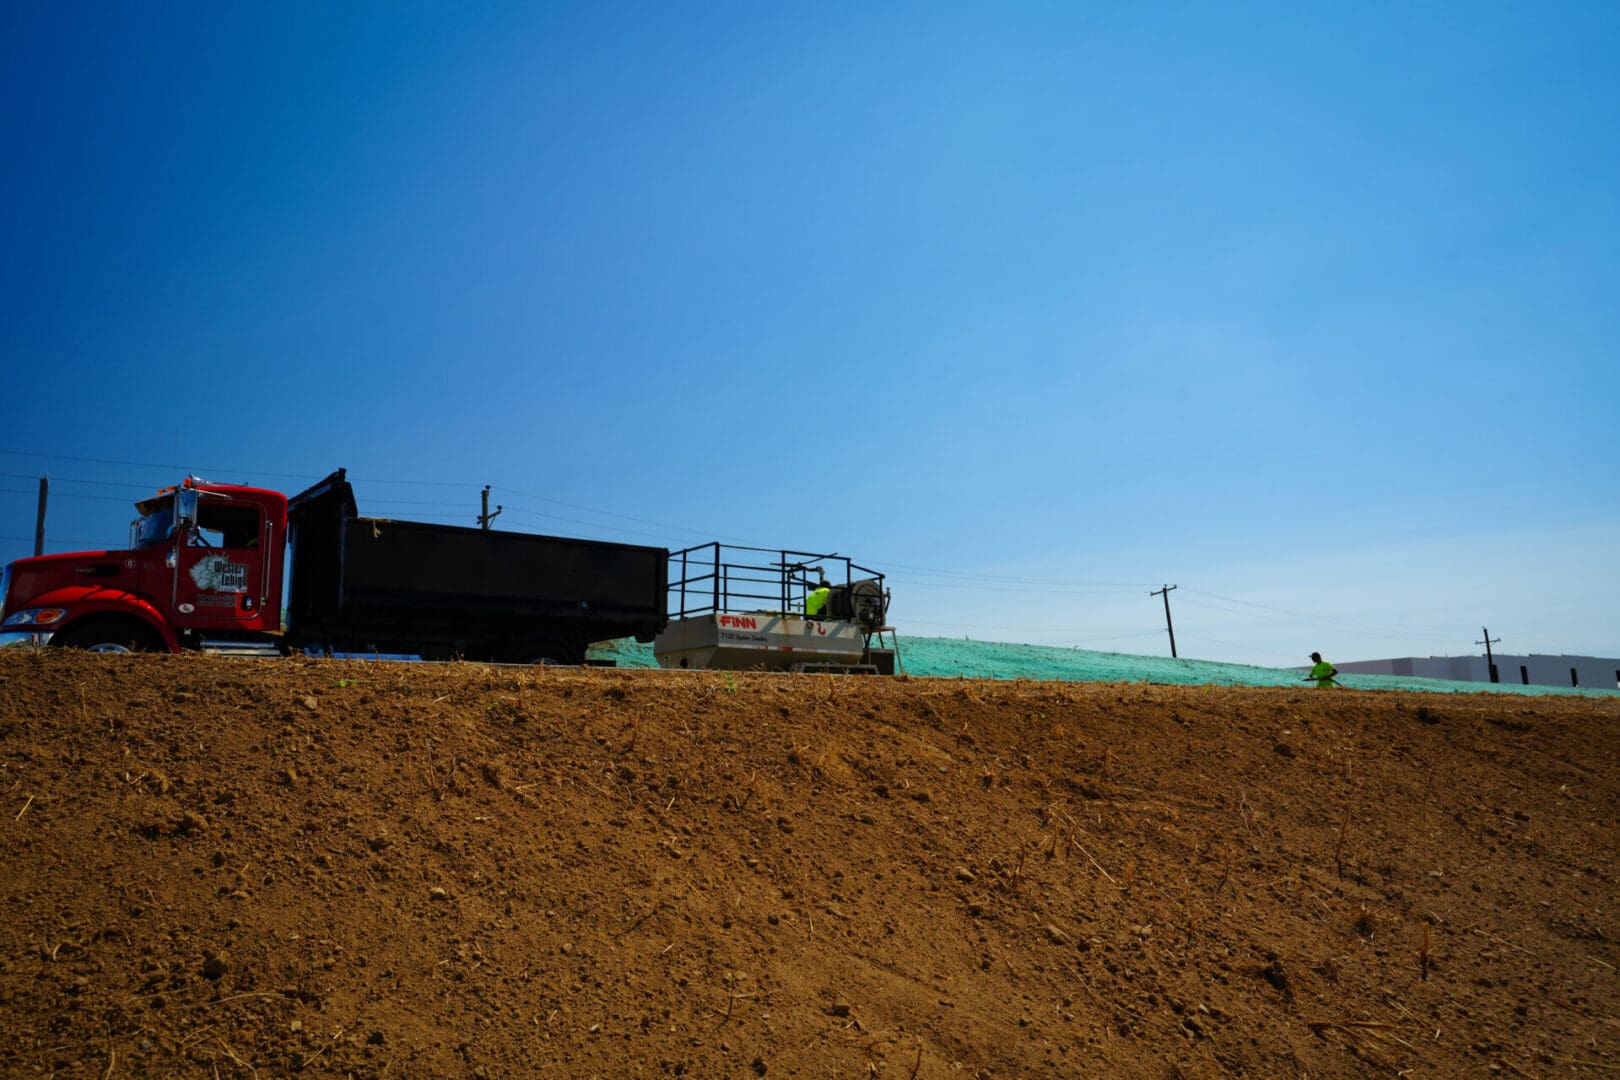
x=443 y=590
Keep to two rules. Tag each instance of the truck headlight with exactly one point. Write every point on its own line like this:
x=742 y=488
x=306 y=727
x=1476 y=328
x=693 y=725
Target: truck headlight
x=35 y=618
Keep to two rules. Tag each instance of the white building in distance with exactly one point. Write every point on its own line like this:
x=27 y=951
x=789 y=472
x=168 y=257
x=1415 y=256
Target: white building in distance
x=1596 y=672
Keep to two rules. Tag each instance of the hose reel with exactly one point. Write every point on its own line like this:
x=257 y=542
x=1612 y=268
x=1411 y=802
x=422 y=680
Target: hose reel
x=863 y=601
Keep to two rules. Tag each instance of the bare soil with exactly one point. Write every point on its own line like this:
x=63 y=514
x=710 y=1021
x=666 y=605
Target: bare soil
x=224 y=867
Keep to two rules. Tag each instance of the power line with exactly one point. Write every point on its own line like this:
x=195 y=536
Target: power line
x=1153 y=632
x=1390 y=633
x=408 y=502
x=1057 y=582
x=168 y=468
x=1233 y=645
x=906 y=574
x=97 y=544
x=667 y=529
x=1356 y=626
x=58 y=478
x=599 y=513
x=1025 y=628
x=67 y=495
x=1067 y=642
x=974 y=587
x=598 y=527
x=218 y=470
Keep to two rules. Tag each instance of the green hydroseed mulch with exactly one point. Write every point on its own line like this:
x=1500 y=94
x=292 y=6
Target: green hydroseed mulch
x=953 y=658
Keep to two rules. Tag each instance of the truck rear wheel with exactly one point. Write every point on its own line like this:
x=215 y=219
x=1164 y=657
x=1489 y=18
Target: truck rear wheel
x=108 y=636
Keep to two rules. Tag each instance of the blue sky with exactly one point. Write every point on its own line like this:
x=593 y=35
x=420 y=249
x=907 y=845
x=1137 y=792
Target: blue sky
x=1311 y=310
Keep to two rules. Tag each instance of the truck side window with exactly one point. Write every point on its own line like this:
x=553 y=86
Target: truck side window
x=229 y=526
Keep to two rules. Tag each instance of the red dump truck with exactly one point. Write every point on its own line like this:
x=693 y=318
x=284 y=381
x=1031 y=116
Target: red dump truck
x=207 y=564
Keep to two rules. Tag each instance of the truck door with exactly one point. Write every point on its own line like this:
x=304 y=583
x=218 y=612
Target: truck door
x=219 y=569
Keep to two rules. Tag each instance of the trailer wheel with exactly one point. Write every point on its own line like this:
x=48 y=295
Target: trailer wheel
x=108 y=636
x=543 y=650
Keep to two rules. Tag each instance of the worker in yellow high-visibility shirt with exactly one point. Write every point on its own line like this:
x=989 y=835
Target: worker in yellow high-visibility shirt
x=1322 y=672
x=815 y=605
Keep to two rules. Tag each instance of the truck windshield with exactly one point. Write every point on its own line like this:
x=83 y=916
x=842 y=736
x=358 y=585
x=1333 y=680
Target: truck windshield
x=154 y=526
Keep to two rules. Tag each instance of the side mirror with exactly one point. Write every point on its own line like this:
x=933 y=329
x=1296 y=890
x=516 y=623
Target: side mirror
x=185 y=510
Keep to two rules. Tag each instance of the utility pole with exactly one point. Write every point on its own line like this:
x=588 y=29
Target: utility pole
x=1490 y=659
x=486 y=517
x=1168 y=625
x=39 y=522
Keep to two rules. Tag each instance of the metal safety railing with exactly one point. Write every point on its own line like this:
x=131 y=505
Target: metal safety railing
x=713 y=578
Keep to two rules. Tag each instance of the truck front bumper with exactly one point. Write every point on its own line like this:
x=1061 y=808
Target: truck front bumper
x=25 y=639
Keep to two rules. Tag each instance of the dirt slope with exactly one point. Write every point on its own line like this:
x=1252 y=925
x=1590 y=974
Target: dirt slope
x=219 y=867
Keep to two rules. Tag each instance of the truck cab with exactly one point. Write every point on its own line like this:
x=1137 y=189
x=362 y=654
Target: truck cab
x=204 y=563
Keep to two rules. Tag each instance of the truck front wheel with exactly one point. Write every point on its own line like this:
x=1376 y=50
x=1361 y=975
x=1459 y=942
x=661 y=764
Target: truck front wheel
x=108 y=636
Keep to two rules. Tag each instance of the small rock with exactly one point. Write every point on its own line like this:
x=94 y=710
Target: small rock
x=214 y=966
x=964 y=874
x=437 y=893
x=191 y=822
x=295 y=1026
x=311 y=704
x=1057 y=936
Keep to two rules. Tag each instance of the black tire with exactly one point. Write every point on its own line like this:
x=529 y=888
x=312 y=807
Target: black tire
x=541 y=650
x=108 y=636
